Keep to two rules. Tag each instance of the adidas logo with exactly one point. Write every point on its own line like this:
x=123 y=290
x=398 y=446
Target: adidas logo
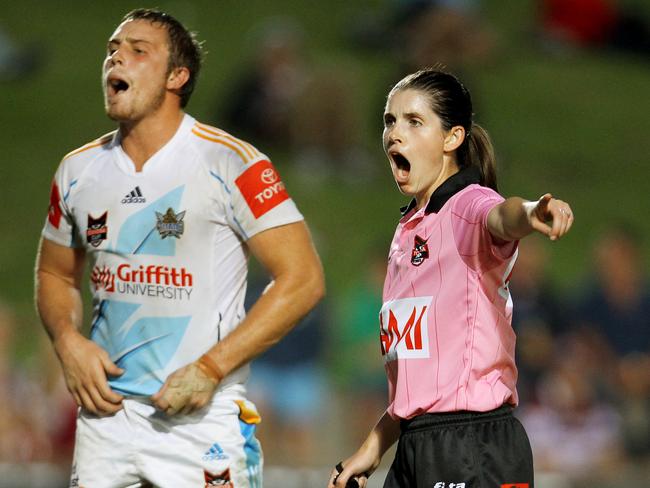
x=134 y=196
x=214 y=453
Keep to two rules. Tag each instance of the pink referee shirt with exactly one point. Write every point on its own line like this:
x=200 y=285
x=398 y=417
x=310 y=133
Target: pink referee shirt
x=446 y=333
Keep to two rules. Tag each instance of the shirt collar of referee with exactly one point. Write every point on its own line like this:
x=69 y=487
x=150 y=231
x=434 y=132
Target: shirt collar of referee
x=451 y=186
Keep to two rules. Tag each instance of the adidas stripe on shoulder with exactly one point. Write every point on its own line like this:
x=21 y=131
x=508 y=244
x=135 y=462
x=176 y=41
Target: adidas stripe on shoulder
x=244 y=150
x=102 y=141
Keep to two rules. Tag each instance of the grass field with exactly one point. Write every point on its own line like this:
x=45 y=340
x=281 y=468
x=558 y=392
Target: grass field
x=575 y=125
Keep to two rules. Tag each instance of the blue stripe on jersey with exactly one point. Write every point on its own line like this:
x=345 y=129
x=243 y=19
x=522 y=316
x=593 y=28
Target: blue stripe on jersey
x=142 y=348
x=138 y=233
x=252 y=450
x=221 y=181
x=105 y=334
x=67 y=194
x=232 y=208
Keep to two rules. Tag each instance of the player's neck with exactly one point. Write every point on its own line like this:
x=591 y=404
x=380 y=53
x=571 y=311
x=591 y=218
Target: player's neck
x=144 y=138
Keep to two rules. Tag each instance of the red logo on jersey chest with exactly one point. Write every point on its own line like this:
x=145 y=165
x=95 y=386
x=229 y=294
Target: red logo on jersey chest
x=221 y=479
x=262 y=188
x=420 y=251
x=54 y=212
x=97 y=230
x=515 y=485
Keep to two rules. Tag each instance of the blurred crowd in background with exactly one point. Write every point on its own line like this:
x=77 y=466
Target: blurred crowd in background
x=583 y=353
x=583 y=358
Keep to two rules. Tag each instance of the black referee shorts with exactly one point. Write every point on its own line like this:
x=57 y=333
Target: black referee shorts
x=462 y=450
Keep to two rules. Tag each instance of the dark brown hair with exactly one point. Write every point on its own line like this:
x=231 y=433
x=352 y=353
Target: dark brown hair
x=452 y=103
x=184 y=49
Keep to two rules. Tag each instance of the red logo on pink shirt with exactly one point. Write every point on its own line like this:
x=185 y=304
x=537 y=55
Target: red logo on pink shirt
x=420 y=251
x=404 y=331
x=261 y=187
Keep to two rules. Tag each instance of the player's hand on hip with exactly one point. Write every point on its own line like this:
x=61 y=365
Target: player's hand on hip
x=85 y=368
x=187 y=389
x=558 y=213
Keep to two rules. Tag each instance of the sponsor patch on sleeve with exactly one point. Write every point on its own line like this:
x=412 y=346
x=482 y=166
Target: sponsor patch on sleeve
x=54 y=211
x=262 y=188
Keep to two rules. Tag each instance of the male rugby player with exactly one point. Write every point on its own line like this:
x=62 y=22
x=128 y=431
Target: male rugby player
x=166 y=210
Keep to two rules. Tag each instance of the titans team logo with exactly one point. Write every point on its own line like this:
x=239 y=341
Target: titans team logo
x=420 y=251
x=222 y=479
x=97 y=230
x=170 y=224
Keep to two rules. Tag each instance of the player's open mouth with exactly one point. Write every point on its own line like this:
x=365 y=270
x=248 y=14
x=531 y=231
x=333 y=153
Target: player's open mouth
x=117 y=86
x=402 y=166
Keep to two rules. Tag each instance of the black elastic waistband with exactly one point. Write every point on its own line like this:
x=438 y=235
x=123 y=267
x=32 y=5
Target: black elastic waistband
x=430 y=420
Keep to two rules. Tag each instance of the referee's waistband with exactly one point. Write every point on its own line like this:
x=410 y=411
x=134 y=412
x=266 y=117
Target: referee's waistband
x=429 y=420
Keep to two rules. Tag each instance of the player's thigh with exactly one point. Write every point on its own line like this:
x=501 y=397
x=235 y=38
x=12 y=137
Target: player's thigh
x=216 y=446
x=104 y=453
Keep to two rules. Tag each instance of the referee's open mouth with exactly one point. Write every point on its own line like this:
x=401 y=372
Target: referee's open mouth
x=401 y=166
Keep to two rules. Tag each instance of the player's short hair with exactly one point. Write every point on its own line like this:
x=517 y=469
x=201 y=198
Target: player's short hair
x=185 y=51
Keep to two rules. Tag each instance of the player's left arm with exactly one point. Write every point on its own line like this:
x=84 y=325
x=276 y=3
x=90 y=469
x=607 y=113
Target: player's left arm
x=515 y=218
x=288 y=254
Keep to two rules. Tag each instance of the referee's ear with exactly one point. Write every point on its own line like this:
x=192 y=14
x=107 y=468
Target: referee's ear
x=454 y=138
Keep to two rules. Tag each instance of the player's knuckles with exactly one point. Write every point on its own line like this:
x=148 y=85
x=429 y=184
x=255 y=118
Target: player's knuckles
x=90 y=407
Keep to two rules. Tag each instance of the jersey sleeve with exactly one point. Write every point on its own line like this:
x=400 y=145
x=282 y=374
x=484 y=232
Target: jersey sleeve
x=259 y=198
x=469 y=221
x=59 y=226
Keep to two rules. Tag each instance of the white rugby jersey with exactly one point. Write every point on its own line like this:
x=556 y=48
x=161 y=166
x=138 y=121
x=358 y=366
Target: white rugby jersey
x=166 y=245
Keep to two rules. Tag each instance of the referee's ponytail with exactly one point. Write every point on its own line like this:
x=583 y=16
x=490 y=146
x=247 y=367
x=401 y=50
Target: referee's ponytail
x=451 y=101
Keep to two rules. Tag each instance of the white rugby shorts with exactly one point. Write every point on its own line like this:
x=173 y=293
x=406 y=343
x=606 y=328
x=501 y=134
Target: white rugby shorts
x=141 y=447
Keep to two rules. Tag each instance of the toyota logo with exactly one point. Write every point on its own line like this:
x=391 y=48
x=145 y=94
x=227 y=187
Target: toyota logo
x=269 y=176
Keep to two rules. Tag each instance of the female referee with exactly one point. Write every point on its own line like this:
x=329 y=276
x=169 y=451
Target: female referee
x=446 y=334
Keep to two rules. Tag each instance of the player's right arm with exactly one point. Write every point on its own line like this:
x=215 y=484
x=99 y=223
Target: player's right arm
x=59 y=271
x=365 y=461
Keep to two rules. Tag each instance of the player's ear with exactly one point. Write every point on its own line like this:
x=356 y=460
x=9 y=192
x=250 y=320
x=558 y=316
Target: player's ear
x=177 y=78
x=454 y=138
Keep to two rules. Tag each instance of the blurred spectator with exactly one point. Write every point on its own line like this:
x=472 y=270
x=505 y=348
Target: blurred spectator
x=572 y=430
x=531 y=288
x=288 y=384
x=423 y=33
x=634 y=371
x=327 y=129
x=616 y=302
x=447 y=32
x=261 y=102
x=538 y=316
x=33 y=425
x=593 y=23
x=358 y=365
x=56 y=412
x=17 y=61
x=281 y=102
